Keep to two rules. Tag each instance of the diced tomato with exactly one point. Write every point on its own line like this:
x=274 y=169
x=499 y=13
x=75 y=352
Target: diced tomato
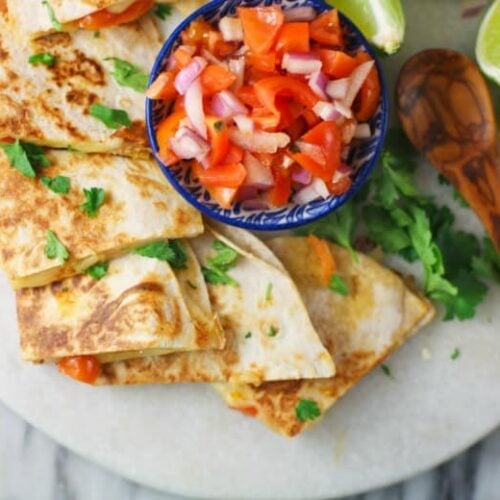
x=166 y=130
x=82 y=368
x=293 y=37
x=262 y=62
x=254 y=74
x=179 y=104
x=103 y=18
x=297 y=128
x=366 y=102
x=250 y=411
x=324 y=256
x=261 y=26
x=218 y=47
x=234 y=154
x=182 y=57
x=228 y=176
x=326 y=135
x=326 y=29
x=339 y=187
x=336 y=63
x=197 y=33
x=280 y=193
x=311 y=118
x=247 y=95
x=216 y=78
x=219 y=140
x=163 y=87
x=223 y=196
x=265 y=119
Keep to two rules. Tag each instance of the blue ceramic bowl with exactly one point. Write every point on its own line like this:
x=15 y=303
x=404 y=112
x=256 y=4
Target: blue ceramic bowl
x=363 y=156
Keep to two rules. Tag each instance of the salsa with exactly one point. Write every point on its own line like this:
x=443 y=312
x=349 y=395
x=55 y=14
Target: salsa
x=265 y=105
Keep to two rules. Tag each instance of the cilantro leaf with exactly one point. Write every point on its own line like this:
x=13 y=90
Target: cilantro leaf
x=338 y=284
x=386 y=371
x=217 y=276
x=248 y=335
x=160 y=250
x=336 y=227
x=94 y=199
x=225 y=258
x=440 y=218
x=52 y=16
x=180 y=258
x=455 y=354
x=458 y=249
x=269 y=292
x=487 y=263
x=112 y=118
x=162 y=11
x=272 y=332
x=42 y=58
x=55 y=249
x=98 y=271
x=128 y=75
x=25 y=157
x=307 y=409
x=59 y=184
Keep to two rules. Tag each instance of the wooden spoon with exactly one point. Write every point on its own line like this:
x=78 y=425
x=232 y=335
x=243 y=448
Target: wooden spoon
x=446 y=110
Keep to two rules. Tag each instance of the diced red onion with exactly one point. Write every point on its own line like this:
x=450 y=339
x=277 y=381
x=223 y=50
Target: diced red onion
x=247 y=193
x=231 y=29
x=300 y=14
x=193 y=103
x=356 y=80
x=342 y=109
x=317 y=82
x=313 y=151
x=317 y=189
x=244 y=123
x=226 y=105
x=362 y=131
x=302 y=176
x=343 y=171
x=254 y=204
x=211 y=58
x=258 y=176
x=237 y=67
x=187 y=145
x=337 y=89
x=300 y=63
x=326 y=110
x=259 y=141
x=189 y=74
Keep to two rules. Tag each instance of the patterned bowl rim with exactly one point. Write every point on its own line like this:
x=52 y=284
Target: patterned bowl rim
x=330 y=204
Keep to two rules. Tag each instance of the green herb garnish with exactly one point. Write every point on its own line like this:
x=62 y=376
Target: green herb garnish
x=307 y=409
x=55 y=249
x=97 y=34
x=272 y=332
x=128 y=75
x=219 y=125
x=339 y=285
x=42 y=58
x=269 y=292
x=59 y=184
x=98 y=271
x=455 y=354
x=52 y=16
x=112 y=118
x=487 y=263
x=215 y=272
x=94 y=199
x=162 y=11
x=216 y=276
x=248 y=335
x=386 y=371
x=25 y=157
x=173 y=251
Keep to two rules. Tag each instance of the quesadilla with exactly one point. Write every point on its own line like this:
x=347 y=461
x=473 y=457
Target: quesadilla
x=269 y=335
x=54 y=15
x=138 y=308
x=69 y=95
x=46 y=236
x=359 y=330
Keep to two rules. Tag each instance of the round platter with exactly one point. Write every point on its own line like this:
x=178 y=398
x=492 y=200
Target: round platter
x=182 y=439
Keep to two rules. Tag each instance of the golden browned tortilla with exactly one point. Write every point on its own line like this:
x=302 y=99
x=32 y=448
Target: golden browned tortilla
x=49 y=105
x=140 y=206
x=359 y=330
x=139 y=308
x=269 y=333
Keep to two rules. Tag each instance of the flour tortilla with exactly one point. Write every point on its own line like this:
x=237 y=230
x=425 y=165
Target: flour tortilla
x=140 y=207
x=49 y=105
x=247 y=314
x=137 y=309
x=359 y=330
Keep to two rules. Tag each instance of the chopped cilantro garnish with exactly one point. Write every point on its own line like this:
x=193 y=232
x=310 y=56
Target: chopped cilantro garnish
x=272 y=332
x=94 y=199
x=173 y=251
x=42 y=58
x=25 y=157
x=487 y=263
x=269 y=292
x=52 y=16
x=248 y=335
x=455 y=354
x=128 y=75
x=307 y=409
x=55 y=249
x=216 y=276
x=98 y=271
x=59 y=184
x=162 y=11
x=215 y=272
x=112 y=118
x=97 y=34
x=386 y=370
x=338 y=284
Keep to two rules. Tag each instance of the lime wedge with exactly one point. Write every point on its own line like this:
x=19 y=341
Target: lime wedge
x=381 y=21
x=488 y=43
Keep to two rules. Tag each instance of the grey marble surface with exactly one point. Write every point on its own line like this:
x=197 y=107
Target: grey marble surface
x=33 y=467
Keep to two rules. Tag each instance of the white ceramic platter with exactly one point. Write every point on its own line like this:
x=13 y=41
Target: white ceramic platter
x=182 y=439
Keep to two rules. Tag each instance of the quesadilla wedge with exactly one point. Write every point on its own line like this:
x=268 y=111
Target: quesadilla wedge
x=46 y=236
x=69 y=95
x=359 y=330
x=268 y=332
x=136 y=309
